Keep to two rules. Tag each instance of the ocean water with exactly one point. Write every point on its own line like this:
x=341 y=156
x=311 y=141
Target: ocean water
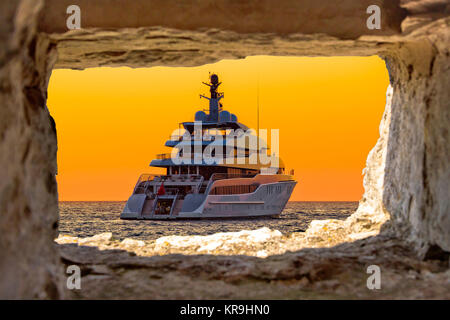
x=85 y=219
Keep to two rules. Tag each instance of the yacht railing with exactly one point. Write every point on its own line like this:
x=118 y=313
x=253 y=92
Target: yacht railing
x=222 y=176
x=178 y=177
x=205 y=137
x=142 y=183
x=144 y=180
x=208 y=137
x=168 y=156
x=164 y=156
x=200 y=184
x=176 y=137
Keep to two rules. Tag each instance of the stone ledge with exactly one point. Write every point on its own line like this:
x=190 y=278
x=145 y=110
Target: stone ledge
x=323 y=273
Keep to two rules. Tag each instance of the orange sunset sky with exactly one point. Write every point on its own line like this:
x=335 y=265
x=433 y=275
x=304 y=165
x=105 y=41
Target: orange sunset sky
x=111 y=122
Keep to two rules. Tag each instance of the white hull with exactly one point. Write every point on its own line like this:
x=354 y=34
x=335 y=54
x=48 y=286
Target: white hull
x=267 y=200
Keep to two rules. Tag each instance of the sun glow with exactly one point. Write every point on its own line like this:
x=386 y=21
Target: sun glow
x=111 y=122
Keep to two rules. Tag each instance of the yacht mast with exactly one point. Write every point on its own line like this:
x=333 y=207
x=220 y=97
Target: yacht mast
x=257 y=117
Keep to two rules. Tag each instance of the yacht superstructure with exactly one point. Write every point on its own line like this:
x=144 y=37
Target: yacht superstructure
x=218 y=168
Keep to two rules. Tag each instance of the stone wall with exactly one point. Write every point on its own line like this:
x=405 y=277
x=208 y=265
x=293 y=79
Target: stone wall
x=406 y=175
x=29 y=261
x=345 y=19
x=417 y=175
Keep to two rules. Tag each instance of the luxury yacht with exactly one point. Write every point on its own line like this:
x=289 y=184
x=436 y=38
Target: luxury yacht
x=218 y=168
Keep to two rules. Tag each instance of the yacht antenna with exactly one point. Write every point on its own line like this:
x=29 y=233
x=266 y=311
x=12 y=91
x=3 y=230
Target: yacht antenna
x=257 y=116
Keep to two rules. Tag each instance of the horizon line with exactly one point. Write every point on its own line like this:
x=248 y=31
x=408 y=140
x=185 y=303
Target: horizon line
x=288 y=201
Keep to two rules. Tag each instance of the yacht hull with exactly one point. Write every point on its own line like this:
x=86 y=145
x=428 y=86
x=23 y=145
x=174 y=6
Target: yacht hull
x=267 y=200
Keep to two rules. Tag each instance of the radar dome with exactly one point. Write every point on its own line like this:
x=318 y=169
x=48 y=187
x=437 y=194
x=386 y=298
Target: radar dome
x=224 y=116
x=214 y=78
x=233 y=118
x=200 y=116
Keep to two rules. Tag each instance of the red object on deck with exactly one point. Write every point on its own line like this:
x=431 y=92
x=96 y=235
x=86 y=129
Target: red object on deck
x=161 y=190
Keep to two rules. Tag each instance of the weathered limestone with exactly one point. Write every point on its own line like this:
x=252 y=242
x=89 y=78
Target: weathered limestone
x=346 y=19
x=227 y=241
x=417 y=175
x=407 y=173
x=226 y=265
x=29 y=263
x=324 y=273
x=261 y=243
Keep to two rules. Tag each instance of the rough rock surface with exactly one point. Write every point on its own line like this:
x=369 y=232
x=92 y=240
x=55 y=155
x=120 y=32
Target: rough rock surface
x=407 y=174
x=29 y=264
x=260 y=243
x=136 y=34
x=161 y=46
x=417 y=168
x=134 y=270
x=345 y=20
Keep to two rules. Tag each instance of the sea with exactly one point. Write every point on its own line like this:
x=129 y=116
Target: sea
x=85 y=219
